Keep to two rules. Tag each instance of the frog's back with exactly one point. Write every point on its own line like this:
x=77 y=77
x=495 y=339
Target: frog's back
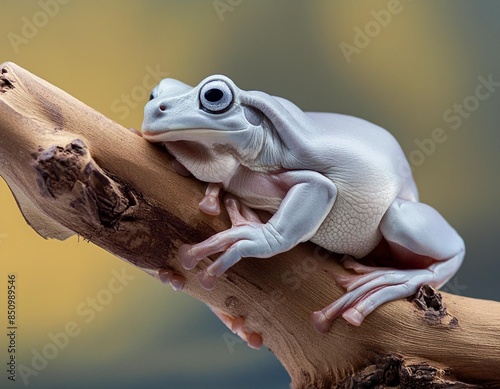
x=356 y=152
x=369 y=169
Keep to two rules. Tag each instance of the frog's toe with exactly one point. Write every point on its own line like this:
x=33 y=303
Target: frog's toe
x=351 y=264
x=323 y=319
x=210 y=205
x=320 y=322
x=239 y=213
x=168 y=276
x=186 y=256
x=353 y=316
x=366 y=292
x=207 y=281
x=254 y=340
x=178 y=282
x=210 y=202
x=350 y=282
x=237 y=326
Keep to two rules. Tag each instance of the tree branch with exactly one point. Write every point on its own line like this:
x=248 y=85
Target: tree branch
x=72 y=170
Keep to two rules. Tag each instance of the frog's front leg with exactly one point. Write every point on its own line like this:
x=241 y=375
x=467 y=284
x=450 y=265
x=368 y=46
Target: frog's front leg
x=239 y=214
x=418 y=236
x=307 y=203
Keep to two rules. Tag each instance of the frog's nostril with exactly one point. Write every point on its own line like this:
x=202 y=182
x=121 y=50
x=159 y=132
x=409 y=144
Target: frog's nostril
x=163 y=107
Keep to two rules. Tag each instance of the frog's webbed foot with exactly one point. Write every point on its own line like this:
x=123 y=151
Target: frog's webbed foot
x=235 y=243
x=237 y=326
x=366 y=290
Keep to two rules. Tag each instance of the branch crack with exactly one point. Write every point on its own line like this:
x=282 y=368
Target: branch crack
x=5 y=83
x=70 y=171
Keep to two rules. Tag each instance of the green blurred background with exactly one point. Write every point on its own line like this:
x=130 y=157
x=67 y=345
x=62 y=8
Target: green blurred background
x=401 y=64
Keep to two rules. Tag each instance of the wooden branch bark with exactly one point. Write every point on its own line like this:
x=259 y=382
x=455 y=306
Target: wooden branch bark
x=72 y=170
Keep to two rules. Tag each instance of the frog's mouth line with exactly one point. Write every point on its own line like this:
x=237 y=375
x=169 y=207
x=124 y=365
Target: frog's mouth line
x=183 y=134
x=153 y=134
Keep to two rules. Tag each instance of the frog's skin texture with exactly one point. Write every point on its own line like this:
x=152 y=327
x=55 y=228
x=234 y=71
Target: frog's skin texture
x=336 y=180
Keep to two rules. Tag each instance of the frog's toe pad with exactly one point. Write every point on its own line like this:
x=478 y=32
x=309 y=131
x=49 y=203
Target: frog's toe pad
x=207 y=281
x=168 y=276
x=210 y=205
x=320 y=322
x=188 y=261
x=237 y=326
x=178 y=282
x=353 y=316
x=254 y=340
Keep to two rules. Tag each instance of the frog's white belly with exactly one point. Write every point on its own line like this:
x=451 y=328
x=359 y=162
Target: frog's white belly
x=350 y=228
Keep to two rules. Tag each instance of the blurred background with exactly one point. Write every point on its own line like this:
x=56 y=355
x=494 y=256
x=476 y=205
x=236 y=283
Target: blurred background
x=409 y=66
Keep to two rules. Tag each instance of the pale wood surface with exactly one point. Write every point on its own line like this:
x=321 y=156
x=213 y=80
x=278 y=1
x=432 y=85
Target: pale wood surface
x=72 y=170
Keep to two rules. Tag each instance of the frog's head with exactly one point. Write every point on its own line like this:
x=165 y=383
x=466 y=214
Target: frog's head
x=209 y=113
x=215 y=113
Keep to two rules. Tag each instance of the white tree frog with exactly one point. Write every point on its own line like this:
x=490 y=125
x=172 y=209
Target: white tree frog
x=337 y=180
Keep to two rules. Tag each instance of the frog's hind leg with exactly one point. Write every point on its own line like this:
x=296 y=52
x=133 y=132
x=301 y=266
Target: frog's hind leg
x=415 y=232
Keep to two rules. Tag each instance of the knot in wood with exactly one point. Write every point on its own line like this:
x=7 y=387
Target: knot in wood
x=70 y=172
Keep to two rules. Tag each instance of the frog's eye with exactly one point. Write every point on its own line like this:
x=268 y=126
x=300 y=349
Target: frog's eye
x=216 y=97
x=154 y=93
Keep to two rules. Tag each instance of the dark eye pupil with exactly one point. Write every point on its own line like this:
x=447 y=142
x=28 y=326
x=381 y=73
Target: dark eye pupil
x=151 y=97
x=213 y=95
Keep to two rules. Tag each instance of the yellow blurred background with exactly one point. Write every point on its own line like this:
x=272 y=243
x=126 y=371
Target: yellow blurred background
x=409 y=66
